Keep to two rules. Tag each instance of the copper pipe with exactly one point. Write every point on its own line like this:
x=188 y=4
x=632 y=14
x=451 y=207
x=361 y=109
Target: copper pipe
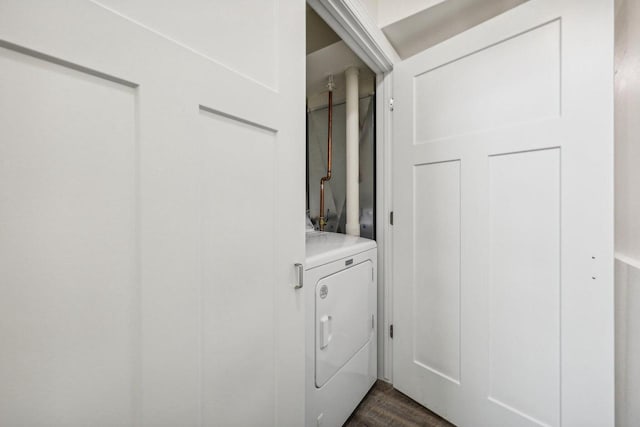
x=323 y=220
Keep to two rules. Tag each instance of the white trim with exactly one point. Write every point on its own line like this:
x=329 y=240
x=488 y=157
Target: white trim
x=350 y=20
x=383 y=228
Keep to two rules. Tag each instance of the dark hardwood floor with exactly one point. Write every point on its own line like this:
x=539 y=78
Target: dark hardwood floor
x=385 y=406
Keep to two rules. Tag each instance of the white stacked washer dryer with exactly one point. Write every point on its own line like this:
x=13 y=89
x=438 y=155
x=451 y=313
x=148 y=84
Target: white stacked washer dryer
x=340 y=282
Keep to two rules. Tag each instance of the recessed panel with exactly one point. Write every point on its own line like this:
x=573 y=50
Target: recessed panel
x=512 y=82
x=239 y=34
x=525 y=284
x=238 y=235
x=69 y=306
x=437 y=268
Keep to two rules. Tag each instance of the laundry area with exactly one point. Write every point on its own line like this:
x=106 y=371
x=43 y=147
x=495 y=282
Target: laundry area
x=469 y=253
x=341 y=252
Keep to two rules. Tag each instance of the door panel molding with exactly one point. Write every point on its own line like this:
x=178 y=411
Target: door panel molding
x=173 y=86
x=516 y=189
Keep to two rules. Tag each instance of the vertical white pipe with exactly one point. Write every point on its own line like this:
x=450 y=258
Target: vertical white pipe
x=353 y=153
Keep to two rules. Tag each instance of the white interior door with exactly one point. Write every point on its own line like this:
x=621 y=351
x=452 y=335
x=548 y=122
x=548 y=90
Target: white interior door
x=503 y=235
x=150 y=199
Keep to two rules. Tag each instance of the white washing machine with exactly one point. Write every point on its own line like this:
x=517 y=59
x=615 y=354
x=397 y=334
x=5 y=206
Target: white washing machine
x=340 y=281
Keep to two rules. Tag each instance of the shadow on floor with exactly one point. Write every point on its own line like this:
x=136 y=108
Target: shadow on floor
x=385 y=406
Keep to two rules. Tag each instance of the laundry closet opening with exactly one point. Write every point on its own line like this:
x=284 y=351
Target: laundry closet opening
x=341 y=261
x=329 y=61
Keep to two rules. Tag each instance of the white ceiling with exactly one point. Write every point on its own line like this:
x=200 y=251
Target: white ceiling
x=319 y=34
x=389 y=11
x=328 y=55
x=437 y=21
x=334 y=60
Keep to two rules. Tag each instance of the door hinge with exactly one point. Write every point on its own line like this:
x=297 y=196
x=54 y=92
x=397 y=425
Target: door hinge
x=390 y=104
x=391 y=217
x=391 y=331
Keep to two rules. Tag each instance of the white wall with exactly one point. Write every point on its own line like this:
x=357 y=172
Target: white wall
x=371 y=7
x=627 y=135
x=627 y=344
x=627 y=104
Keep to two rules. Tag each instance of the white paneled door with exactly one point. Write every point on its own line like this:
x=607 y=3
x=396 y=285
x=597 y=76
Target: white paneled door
x=150 y=164
x=503 y=230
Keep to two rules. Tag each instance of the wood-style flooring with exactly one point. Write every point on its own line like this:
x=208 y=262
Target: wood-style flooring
x=384 y=406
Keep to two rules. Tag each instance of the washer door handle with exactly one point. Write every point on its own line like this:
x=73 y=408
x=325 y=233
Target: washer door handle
x=299 y=280
x=325 y=331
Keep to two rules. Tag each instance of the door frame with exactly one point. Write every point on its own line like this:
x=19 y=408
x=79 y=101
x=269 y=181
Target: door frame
x=351 y=21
